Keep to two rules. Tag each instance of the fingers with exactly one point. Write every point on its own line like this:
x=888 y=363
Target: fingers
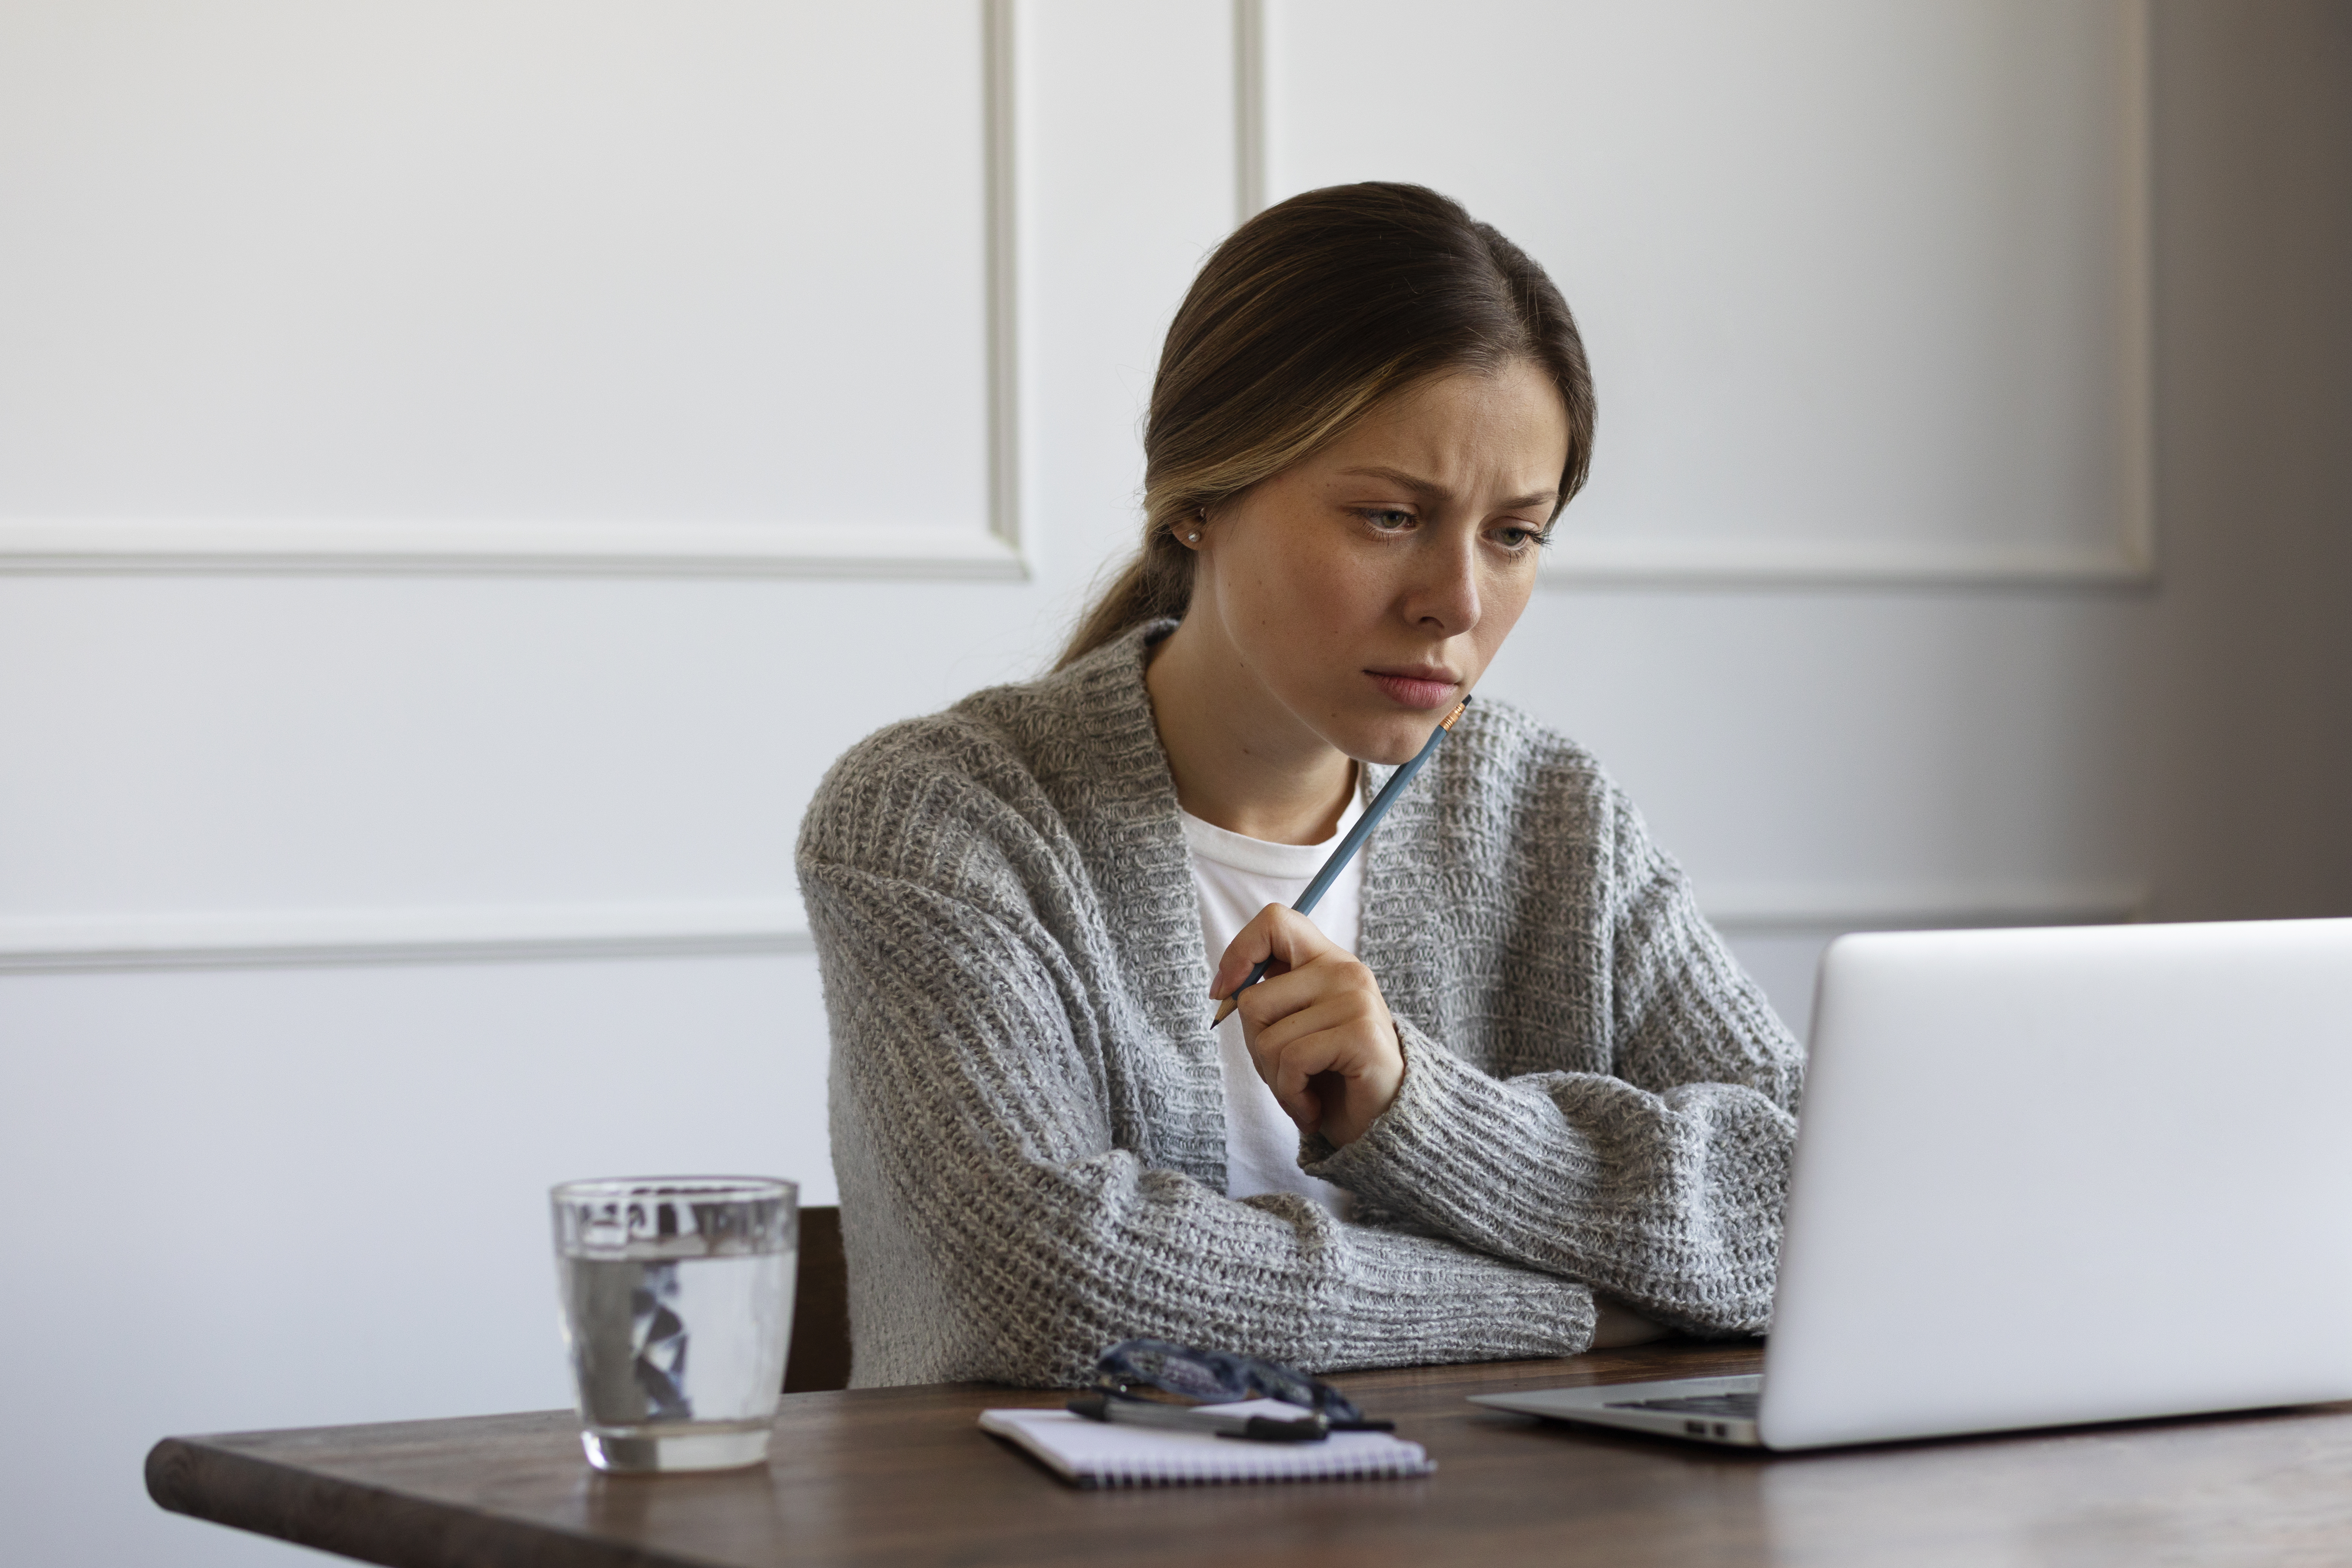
x=1318 y=1028
x=1311 y=1039
x=1337 y=978
x=1333 y=1082
x=1291 y=1067
x=1284 y=935
x=1298 y=1045
x=1322 y=1039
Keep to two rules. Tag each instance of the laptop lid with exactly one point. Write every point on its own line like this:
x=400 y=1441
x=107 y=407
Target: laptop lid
x=2064 y=1175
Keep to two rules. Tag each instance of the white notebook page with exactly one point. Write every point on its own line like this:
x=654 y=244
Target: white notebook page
x=1099 y=1454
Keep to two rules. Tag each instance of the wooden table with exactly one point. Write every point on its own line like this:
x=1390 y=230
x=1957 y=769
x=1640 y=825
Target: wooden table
x=892 y=1475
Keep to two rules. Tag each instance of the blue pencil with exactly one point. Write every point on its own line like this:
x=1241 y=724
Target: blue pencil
x=1349 y=845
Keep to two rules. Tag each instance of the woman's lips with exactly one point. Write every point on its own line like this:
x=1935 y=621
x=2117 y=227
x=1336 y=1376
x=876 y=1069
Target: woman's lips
x=1415 y=691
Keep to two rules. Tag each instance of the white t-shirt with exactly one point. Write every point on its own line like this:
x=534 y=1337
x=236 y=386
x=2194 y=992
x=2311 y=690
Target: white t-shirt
x=1235 y=877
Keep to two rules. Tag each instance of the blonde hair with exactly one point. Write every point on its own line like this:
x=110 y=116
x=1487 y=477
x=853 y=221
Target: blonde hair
x=1304 y=318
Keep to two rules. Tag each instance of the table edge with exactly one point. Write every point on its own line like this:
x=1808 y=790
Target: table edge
x=189 y=1476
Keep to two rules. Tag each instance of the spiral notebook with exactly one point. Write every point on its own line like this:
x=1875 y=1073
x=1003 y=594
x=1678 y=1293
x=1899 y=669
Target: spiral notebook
x=1091 y=1454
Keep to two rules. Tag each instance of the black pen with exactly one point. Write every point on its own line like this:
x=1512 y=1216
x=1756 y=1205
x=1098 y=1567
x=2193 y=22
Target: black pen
x=1309 y=1427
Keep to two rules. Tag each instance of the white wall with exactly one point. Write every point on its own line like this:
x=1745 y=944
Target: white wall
x=465 y=471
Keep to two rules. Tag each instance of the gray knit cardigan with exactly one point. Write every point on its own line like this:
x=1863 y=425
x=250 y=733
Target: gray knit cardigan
x=1028 y=1125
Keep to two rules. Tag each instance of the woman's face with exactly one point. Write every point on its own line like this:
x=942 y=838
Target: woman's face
x=1365 y=589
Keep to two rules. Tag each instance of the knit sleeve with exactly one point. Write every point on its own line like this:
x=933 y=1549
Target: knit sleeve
x=1660 y=1181
x=979 y=1178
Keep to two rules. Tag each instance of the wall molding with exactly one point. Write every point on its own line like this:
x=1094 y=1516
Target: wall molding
x=501 y=546
x=276 y=939
x=1825 y=908
x=1249 y=110
x=272 y=939
x=1001 y=108
x=647 y=547
x=2127 y=560
x=1574 y=560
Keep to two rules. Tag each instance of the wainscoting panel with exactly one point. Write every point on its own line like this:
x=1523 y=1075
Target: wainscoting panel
x=520 y=287
x=1867 y=288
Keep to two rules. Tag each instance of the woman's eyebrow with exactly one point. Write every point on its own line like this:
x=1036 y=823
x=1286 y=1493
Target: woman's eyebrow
x=1397 y=477
x=1430 y=487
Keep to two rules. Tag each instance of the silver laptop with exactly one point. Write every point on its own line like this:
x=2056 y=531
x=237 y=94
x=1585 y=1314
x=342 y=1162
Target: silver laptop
x=2049 y=1177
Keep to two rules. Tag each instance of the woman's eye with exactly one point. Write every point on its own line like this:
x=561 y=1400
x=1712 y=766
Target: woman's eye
x=1387 y=519
x=1516 y=536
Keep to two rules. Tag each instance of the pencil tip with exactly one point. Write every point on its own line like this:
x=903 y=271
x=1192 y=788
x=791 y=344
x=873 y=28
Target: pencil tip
x=1224 y=1011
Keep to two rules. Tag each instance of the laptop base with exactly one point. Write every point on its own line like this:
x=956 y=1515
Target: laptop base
x=1696 y=1409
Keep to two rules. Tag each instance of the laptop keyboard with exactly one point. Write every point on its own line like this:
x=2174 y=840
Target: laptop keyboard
x=1738 y=1407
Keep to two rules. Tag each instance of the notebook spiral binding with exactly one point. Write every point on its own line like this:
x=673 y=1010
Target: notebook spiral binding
x=1368 y=1468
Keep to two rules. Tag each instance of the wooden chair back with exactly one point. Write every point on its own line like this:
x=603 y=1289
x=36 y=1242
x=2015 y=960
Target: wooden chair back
x=820 y=1354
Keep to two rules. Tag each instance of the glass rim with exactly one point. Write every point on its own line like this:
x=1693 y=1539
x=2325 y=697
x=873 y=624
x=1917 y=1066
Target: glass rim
x=721 y=1189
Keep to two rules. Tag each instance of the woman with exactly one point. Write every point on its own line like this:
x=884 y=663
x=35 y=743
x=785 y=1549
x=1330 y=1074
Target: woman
x=1509 y=1091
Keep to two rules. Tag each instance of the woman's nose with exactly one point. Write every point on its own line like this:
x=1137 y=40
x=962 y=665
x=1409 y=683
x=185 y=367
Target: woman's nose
x=1444 y=593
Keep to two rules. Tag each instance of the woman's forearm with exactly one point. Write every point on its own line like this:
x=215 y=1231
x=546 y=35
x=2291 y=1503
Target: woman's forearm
x=1670 y=1203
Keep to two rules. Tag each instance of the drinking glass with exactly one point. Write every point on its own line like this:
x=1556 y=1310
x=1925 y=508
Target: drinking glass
x=677 y=1309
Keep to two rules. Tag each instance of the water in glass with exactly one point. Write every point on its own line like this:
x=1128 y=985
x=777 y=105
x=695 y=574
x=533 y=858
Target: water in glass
x=677 y=1309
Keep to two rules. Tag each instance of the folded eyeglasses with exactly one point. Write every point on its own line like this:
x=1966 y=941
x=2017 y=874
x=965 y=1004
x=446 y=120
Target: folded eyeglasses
x=1220 y=1377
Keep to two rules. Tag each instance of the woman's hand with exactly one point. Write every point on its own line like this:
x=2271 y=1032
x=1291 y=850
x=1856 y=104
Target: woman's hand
x=1316 y=1026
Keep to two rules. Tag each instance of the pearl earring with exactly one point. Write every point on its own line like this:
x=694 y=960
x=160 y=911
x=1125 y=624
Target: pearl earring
x=1193 y=537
